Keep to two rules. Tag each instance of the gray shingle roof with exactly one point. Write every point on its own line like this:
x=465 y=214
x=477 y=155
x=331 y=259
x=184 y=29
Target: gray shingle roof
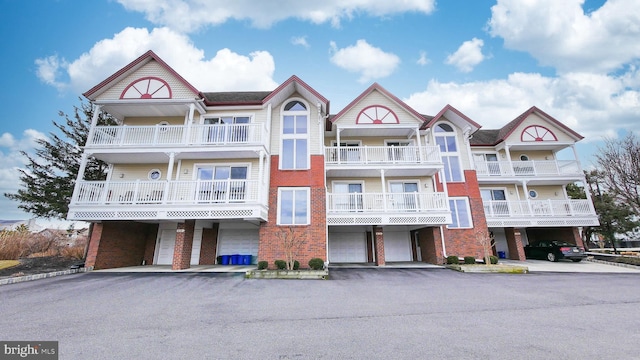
x=235 y=97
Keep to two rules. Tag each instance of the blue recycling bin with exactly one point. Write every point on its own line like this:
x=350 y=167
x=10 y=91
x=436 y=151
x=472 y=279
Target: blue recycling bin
x=246 y=259
x=224 y=259
x=502 y=255
x=236 y=259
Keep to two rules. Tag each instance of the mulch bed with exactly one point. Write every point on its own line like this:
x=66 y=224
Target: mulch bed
x=39 y=265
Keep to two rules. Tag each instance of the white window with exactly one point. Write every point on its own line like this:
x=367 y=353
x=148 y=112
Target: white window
x=293 y=206
x=446 y=140
x=533 y=194
x=221 y=183
x=460 y=213
x=154 y=174
x=294 y=152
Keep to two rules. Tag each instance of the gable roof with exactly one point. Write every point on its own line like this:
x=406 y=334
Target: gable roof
x=390 y=96
x=454 y=115
x=145 y=58
x=295 y=84
x=495 y=136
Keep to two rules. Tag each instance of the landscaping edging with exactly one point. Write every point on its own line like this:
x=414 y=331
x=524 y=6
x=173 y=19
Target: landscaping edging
x=288 y=274
x=19 y=279
x=482 y=268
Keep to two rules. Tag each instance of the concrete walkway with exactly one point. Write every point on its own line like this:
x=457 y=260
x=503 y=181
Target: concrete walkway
x=566 y=266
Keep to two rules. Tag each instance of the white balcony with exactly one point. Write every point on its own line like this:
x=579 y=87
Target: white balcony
x=115 y=143
x=111 y=200
x=504 y=213
x=547 y=169
x=368 y=160
x=411 y=208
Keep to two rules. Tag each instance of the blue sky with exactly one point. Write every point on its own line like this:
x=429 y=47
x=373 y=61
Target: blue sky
x=575 y=59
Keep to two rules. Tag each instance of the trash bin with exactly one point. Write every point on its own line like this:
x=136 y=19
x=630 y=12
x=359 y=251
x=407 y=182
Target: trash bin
x=236 y=259
x=502 y=255
x=224 y=259
x=246 y=259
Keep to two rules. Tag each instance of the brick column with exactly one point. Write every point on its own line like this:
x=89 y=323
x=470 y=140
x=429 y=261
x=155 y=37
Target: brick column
x=577 y=238
x=184 y=244
x=94 y=244
x=514 y=243
x=378 y=235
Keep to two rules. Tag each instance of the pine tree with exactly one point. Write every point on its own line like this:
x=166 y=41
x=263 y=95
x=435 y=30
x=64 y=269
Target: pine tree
x=48 y=180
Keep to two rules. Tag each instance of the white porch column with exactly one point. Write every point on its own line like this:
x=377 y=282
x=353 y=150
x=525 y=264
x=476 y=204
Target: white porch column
x=261 y=180
x=189 y=123
x=419 y=145
x=80 y=175
x=338 y=130
x=384 y=190
x=94 y=122
x=525 y=189
x=172 y=157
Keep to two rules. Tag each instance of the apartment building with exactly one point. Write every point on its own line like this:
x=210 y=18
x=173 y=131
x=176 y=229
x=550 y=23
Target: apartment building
x=195 y=176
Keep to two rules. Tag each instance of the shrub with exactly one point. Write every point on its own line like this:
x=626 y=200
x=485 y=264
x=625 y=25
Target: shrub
x=469 y=259
x=316 y=264
x=73 y=252
x=296 y=265
x=263 y=265
x=453 y=260
x=493 y=259
x=280 y=264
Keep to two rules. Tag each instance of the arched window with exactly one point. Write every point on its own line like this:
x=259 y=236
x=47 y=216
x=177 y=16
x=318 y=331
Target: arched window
x=446 y=139
x=294 y=149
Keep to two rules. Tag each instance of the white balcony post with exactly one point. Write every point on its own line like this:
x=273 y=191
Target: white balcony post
x=261 y=180
x=172 y=157
x=94 y=123
x=384 y=191
x=338 y=130
x=187 y=133
x=526 y=196
x=506 y=151
x=79 y=176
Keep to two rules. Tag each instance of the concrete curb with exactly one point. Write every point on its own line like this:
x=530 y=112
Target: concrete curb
x=19 y=279
x=481 y=268
x=613 y=263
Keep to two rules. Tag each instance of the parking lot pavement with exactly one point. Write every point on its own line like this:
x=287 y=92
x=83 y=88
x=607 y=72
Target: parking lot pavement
x=358 y=314
x=567 y=266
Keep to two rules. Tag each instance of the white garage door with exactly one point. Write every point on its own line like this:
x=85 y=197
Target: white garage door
x=397 y=246
x=195 y=250
x=165 y=247
x=238 y=241
x=347 y=247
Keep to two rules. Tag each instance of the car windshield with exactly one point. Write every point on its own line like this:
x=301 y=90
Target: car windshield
x=562 y=243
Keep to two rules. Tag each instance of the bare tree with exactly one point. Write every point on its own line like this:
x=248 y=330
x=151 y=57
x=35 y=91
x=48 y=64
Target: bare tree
x=619 y=163
x=486 y=241
x=291 y=244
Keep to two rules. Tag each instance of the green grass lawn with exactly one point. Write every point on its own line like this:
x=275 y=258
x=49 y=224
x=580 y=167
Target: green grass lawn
x=8 y=263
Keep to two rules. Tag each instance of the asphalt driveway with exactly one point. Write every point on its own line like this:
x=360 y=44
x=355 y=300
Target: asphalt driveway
x=360 y=313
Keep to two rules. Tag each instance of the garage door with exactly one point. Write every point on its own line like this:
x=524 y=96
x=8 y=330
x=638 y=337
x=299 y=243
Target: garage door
x=165 y=247
x=397 y=246
x=347 y=247
x=238 y=241
x=195 y=250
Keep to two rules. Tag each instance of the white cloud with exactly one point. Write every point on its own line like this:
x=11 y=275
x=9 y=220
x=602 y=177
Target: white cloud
x=49 y=68
x=191 y=15
x=468 y=55
x=423 y=59
x=562 y=35
x=300 y=40
x=593 y=105
x=371 y=62
x=225 y=71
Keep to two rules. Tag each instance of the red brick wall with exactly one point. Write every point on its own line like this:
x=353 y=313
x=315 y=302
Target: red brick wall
x=184 y=245
x=431 y=245
x=514 y=244
x=313 y=236
x=120 y=243
x=463 y=242
x=209 y=245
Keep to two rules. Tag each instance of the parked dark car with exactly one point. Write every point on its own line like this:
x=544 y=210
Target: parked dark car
x=554 y=250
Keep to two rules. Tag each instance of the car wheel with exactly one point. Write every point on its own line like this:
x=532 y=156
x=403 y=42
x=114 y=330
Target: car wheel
x=576 y=260
x=551 y=257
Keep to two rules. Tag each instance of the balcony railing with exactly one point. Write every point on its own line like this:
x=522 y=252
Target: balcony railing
x=528 y=168
x=538 y=208
x=166 y=192
x=381 y=155
x=389 y=202
x=178 y=135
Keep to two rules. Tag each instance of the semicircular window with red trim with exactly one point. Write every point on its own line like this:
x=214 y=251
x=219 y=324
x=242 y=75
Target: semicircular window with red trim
x=149 y=87
x=537 y=133
x=377 y=114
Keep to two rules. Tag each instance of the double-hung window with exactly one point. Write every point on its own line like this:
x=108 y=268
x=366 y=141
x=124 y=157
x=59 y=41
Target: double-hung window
x=460 y=213
x=293 y=206
x=227 y=129
x=446 y=140
x=294 y=152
